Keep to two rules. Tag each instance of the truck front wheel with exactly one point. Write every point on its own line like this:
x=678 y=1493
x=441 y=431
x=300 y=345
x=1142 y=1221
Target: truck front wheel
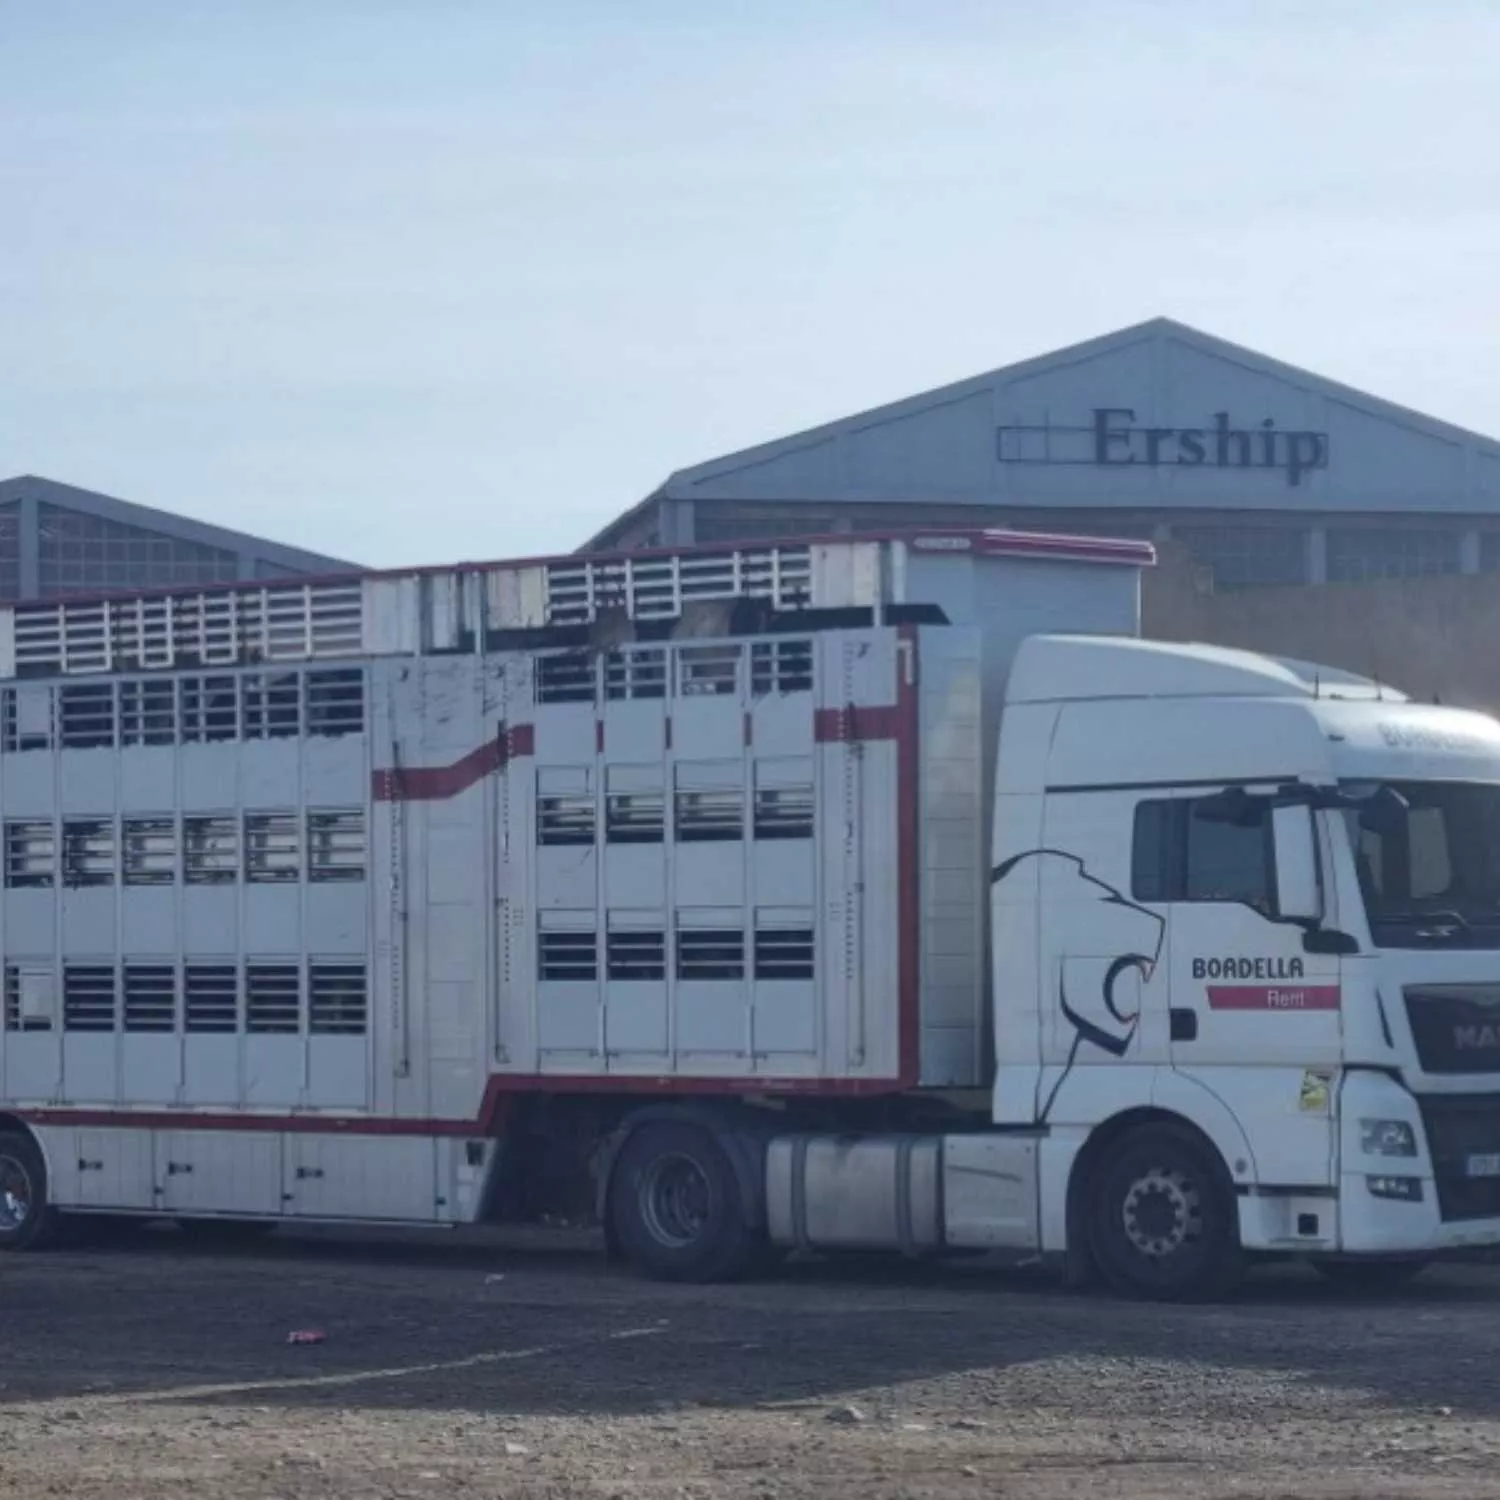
x=1162 y=1217
x=676 y=1207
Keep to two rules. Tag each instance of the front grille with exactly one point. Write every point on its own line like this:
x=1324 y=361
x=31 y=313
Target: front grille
x=1460 y=1126
x=1456 y=1027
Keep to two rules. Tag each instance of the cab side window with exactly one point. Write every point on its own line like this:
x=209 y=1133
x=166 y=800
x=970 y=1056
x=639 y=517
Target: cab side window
x=1179 y=855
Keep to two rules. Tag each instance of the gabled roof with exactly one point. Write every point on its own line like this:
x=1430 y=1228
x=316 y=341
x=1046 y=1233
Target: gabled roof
x=163 y=523
x=860 y=456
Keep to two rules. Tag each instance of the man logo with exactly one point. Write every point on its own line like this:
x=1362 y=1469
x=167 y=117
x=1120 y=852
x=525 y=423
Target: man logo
x=1484 y=1038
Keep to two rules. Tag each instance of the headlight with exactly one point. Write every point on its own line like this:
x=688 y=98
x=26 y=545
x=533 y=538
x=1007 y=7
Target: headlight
x=1387 y=1138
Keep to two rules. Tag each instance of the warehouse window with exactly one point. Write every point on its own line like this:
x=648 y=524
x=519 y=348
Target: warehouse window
x=210 y=995
x=150 y=850
x=30 y=854
x=728 y=525
x=336 y=846
x=10 y=552
x=210 y=850
x=88 y=997
x=271 y=854
x=80 y=552
x=273 y=999
x=88 y=851
x=336 y=999
x=1247 y=556
x=150 y=997
x=1357 y=554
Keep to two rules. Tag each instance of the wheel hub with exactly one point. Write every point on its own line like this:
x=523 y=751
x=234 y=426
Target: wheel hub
x=675 y=1200
x=15 y=1194
x=1162 y=1213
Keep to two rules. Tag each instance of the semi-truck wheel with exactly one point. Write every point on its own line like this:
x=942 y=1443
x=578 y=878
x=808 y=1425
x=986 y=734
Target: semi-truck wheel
x=1162 y=1217
x=27 y=1218
x=1370 y=1276
x=676 y=1207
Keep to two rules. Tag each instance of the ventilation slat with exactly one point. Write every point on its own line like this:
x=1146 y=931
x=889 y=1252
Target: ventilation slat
x=222 y=627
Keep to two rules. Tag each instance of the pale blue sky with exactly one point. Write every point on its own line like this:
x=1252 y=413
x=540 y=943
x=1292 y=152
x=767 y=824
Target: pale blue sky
x=407 y=281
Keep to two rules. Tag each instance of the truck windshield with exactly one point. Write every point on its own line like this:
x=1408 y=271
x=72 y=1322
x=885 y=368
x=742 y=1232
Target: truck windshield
x=1429 y=862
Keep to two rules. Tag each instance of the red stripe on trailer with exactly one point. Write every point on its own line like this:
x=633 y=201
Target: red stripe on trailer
x=500 y=1091
x=432 y=783
x=1273 y=997
x=858 y=722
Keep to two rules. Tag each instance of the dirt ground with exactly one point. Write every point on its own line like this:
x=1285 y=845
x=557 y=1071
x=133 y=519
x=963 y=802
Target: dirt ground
x=473 y=1367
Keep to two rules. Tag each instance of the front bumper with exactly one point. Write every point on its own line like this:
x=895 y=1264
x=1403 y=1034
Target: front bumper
x=1454 y=1133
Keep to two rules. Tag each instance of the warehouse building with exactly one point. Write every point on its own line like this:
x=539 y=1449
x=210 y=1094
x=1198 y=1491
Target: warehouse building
x=1263 y=473
x=56 y=539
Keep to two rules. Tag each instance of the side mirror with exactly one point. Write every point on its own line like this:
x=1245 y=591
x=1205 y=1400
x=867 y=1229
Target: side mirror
x=1384 y=813
x=1299 y=898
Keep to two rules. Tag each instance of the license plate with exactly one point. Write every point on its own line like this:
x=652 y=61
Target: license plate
x=1483 y=1166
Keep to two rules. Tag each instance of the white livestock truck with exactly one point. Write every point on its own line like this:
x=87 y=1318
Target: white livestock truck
x=806 y=894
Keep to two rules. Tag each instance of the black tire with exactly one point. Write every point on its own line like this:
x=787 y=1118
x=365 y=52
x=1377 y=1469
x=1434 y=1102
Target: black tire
x=676 y=1206
x=27 y=1219
x=1163 y=1219
x=1370 y=1276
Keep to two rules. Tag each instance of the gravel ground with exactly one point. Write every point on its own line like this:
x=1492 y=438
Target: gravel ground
x=476 y=1367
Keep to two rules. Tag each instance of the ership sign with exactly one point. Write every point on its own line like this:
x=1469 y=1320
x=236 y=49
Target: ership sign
x=1115 y=440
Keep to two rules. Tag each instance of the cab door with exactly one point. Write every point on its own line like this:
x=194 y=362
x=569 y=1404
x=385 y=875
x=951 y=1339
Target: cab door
x=1253 y=1016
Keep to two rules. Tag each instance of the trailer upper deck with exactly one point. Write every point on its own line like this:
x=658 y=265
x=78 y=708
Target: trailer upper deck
x=570 y=600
